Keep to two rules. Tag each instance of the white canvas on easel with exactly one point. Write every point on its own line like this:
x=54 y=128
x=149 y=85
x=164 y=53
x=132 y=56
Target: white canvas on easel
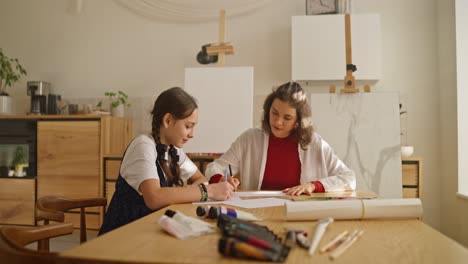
x=364 y=130
x=225 y=101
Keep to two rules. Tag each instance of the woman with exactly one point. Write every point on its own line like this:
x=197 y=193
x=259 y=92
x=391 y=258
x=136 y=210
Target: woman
x=285 y=154
x=155 y=171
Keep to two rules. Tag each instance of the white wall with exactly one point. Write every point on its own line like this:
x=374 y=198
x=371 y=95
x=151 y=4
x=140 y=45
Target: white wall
x=108 y=48
x=454 y=211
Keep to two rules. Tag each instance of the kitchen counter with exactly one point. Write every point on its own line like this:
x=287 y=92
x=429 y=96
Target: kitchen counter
x=51 y=117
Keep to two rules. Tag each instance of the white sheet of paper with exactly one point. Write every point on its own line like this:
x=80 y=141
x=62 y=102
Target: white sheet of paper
x=257 y=203
x=233 y=198
x=259 y=193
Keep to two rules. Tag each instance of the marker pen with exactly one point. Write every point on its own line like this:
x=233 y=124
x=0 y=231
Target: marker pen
x=203 y=211
x=228 y=225
x=215 y=211
x=257 y=240
x=238 y=249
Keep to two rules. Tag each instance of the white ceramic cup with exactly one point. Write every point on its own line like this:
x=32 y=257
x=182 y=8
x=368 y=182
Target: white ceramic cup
x=407 y=151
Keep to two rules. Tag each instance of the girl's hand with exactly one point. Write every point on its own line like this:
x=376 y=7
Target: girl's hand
x=220 y=191
x=307 y=188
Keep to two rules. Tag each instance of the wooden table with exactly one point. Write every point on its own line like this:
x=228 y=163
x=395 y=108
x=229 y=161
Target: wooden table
x=396 y=241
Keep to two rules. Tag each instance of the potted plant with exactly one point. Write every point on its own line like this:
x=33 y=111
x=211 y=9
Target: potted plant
x=19 y=161
x=117 y=102
x=10 y=72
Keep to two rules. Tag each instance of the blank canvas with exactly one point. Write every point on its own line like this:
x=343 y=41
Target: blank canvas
x=225 y=100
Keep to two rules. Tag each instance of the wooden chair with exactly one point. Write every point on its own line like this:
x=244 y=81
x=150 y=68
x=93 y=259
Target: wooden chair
x=13 y=240
x=53 y=208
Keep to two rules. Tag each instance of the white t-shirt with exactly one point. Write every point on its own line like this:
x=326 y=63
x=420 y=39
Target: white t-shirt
x=139 y=162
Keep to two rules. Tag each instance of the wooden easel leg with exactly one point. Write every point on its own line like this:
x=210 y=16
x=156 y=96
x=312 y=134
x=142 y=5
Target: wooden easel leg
x=222 y=19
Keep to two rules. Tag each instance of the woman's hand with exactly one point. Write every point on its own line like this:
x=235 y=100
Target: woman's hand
x=231 y=180
x=220 y=191
x=307 y=188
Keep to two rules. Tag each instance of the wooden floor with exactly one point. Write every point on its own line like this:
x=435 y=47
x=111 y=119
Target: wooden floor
x=65 y=242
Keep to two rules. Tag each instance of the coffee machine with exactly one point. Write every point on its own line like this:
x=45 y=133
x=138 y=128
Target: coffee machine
x=38 y=90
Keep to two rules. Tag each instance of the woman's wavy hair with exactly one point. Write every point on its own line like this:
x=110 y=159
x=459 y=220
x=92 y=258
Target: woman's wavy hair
x=180 y=105
x=293 y=94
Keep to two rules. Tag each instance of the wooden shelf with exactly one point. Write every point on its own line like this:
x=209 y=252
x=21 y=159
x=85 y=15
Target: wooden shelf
x=412 y=177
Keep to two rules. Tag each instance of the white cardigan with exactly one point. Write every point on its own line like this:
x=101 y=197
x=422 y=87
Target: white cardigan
x=248 y=154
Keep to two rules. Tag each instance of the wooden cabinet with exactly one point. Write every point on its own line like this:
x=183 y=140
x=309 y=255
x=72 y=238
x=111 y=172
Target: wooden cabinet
x=70 y=152
x=412 y=177
x=69 y=162
x=17 y=201
x=68 y=158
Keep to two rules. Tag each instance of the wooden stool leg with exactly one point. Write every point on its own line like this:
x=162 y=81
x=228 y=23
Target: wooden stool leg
x=43 y=245
x=82 y=226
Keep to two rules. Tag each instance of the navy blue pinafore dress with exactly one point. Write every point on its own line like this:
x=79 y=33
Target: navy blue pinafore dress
x=127 y=205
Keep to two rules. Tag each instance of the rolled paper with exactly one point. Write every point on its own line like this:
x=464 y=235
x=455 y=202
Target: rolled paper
x=354 y=209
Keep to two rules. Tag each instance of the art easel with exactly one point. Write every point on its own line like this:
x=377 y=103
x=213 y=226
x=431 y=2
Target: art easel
x=221 y=48
x=349 y=80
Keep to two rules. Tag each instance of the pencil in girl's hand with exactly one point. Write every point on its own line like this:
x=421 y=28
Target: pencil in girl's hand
x=225 y=175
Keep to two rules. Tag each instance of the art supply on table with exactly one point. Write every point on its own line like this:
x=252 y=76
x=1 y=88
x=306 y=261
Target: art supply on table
x=203 y=211
x=296 y=236
x=173 y=227
x=290 y=238
x=232 y=247
x=212 y=212
x=301 y=239
x=183 y=226
x=228 y=225
x=346 y=244
x=196 y=225
x=334 y=243
x=355 y=209
x=215 y=211
x=319 y=231
x=254 y=239
x=242 y=239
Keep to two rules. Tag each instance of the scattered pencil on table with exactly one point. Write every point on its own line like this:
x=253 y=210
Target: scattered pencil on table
x=346 y=244
x=334 y=243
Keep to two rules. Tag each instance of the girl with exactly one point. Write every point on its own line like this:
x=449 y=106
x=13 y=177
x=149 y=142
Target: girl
x=285 y=154
x=155 y=170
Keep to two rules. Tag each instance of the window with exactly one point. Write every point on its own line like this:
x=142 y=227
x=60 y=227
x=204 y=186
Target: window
x=461 y=20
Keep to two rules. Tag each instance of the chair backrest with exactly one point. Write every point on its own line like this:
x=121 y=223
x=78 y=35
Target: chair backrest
x=14 y=238
x=52 y=208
